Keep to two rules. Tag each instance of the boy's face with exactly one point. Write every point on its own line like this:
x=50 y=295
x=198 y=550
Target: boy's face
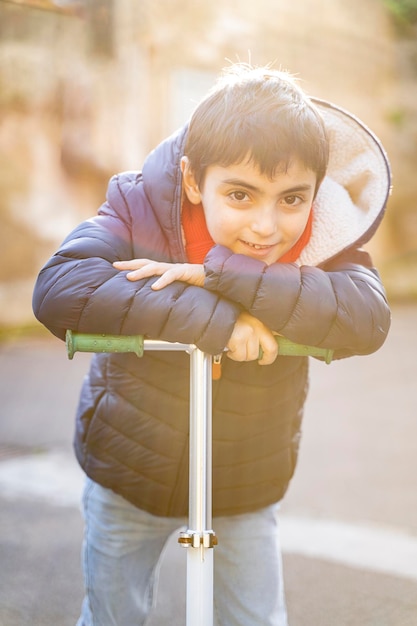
x=250 y=213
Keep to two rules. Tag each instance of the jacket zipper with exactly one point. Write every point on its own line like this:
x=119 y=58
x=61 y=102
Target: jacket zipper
x=217 y=367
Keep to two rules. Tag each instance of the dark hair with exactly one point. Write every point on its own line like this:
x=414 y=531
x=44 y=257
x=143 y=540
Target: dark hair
x=259 y=115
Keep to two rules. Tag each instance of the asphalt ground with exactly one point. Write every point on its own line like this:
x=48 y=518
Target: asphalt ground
x=348 y=523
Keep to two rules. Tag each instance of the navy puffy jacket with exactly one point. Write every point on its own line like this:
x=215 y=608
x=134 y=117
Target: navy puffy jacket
x=132 y=420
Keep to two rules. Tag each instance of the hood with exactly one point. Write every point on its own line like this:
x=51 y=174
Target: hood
x=162 y=182
x=352 y=198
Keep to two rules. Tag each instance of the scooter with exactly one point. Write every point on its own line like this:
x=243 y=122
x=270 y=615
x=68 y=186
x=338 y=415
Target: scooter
x=199 y=538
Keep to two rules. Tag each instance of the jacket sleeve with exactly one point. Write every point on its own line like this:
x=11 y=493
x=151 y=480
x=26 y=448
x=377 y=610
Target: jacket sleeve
x=78 y=289
x=341 y=305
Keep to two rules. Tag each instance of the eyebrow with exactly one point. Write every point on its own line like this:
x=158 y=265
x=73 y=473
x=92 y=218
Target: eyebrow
x=242 y=183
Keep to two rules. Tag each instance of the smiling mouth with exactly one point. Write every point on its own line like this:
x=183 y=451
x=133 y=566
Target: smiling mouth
x=257 y=246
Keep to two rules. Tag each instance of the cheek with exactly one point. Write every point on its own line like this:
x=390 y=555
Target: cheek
x=220 y=225
x=218 y=229
x=297 y=228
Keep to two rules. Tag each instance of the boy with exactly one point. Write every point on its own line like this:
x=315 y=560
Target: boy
x=231 y=233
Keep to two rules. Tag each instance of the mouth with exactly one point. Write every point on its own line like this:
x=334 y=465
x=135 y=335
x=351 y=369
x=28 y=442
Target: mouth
x=257 y=250
x=257 y=246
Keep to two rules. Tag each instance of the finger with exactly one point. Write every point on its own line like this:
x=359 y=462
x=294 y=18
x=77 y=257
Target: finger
x=244 y=351
x=235 y=355
x=268 y=351
x=132 y=264
x=146 y=272
x=166 y=279
x=180 y=271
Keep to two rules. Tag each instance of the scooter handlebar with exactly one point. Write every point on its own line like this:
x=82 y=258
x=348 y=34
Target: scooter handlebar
x=86 y=342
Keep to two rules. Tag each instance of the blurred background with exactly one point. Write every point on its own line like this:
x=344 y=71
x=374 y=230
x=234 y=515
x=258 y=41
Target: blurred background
x=89 y=87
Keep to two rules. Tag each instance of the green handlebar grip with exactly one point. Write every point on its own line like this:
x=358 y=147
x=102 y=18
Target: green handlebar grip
x=80 y=342
x=289 y=348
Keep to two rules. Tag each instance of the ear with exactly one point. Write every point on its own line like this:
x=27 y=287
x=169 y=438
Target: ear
x=189 y=183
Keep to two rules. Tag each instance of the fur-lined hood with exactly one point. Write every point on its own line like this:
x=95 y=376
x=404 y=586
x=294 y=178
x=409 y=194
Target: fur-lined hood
x=352 y=197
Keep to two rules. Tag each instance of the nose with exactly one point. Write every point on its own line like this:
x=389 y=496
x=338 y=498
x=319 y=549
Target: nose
x=265 y=221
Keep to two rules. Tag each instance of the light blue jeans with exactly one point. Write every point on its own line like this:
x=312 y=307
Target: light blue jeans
x=121 y=556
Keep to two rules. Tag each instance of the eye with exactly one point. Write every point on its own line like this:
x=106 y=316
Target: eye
x=239 y=196
x=293 y=200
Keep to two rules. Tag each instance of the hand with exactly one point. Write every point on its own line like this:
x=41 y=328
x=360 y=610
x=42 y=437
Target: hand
x=248 y=336
x=190 y=273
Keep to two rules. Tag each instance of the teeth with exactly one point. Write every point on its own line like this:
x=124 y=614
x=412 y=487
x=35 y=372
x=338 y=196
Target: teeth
x=256 y=246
